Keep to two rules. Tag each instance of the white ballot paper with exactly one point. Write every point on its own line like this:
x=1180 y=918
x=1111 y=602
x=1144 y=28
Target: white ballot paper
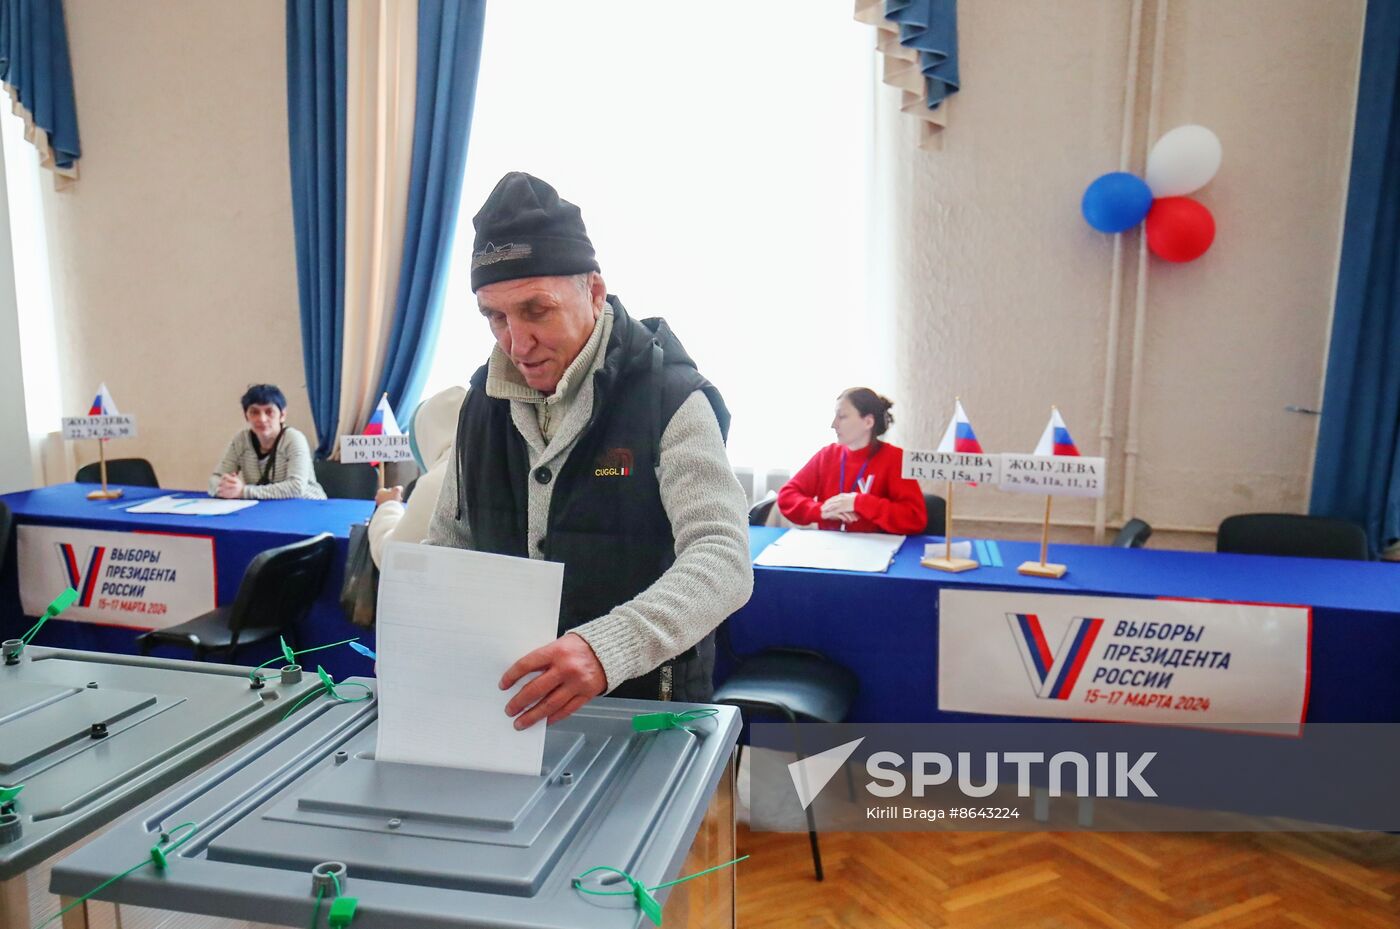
x=450 y=622
x=834 y=551
x=191 y=506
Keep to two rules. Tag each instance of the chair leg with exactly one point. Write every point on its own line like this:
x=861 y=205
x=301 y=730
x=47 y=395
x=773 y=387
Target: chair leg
x=147 y=646
x=811 y=817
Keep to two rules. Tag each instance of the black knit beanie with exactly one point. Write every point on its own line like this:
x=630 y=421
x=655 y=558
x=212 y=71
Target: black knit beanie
x=524 y=229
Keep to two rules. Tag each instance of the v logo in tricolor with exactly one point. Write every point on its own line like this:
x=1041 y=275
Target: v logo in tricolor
x=83 y=581
x=1053 y=674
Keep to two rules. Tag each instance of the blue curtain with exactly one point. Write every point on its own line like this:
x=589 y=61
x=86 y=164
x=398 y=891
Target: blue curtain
x=931 y=28
x=34 y=61
x=1357 y=473
x=449 y=51
x=316 y=75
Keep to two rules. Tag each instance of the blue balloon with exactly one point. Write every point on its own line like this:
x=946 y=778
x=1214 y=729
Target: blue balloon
x=1116 y=202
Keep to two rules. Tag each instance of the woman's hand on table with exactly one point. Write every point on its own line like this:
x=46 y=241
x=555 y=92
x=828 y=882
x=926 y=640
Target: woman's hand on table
x=841 y=507
x=230 y=487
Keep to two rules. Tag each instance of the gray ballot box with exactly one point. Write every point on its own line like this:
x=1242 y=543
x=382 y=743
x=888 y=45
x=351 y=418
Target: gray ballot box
x=88 y=736
x=421 y=846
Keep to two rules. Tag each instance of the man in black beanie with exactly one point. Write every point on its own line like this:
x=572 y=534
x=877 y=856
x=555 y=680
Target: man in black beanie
x=590 y=438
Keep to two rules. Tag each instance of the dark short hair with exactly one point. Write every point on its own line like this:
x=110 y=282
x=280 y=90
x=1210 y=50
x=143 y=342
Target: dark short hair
x=868 y=403
x=263 y=393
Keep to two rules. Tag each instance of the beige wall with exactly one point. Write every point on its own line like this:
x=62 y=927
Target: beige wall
x=173 y=263
x=1002 y=290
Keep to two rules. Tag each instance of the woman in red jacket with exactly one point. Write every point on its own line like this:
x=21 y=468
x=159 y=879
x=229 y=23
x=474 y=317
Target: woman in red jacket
x=855 y=484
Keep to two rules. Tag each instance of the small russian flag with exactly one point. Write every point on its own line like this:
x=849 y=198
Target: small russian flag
x=382 y=421
x=1055 y=440
x=103 y=404
x=959 y=437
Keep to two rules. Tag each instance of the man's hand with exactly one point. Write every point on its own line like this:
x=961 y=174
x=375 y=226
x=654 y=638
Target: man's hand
x=388 y=493
x=840 y=506
x=230 y=487
x=570 y=675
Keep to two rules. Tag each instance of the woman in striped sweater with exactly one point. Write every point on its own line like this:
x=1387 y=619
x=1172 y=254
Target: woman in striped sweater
x=269 y=460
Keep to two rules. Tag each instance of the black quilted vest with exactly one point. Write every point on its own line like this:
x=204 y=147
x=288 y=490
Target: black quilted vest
x=606 y=521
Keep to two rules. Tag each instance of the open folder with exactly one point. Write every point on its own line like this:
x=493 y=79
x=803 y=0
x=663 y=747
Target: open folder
x=450 y=622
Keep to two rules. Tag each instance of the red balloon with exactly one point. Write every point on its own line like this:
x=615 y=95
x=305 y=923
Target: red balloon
x=1179 y=229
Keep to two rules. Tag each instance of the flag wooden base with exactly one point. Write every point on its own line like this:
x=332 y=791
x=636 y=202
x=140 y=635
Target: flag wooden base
x=1041 y=569
x=954 y=565
x=108 y=494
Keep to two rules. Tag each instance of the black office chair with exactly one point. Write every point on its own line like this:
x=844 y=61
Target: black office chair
x=937 y=514
x=1134 y=534
x=758 y=513
x=1292 y=534
x=346 y=481
x=278 y=589
x=796 y=684
x=133 y=472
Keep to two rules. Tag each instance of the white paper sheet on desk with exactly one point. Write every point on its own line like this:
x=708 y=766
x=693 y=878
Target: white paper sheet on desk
x=191 y=506
x=871 y=552
x=449 y=624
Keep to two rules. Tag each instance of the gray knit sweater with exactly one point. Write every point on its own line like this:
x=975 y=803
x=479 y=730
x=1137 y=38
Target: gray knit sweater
x=712 y=575
x=292 y=474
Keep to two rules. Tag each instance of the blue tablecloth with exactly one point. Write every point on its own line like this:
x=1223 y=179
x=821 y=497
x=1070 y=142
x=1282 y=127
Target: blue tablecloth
x=238 y=537
x=885 y=626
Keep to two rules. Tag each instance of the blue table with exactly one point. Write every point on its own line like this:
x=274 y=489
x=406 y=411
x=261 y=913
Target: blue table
x=238 y=537
x=885 y=626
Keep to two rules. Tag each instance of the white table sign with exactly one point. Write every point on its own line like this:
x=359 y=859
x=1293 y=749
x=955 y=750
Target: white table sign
x=141 y=579
x=355 y=449
x=959 y=467
x=1170 y=662
x=120 y=426
x=1056 y=475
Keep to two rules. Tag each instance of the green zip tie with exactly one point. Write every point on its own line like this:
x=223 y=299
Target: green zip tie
x=289 y=656
x=8 y=794
x=650 y=722
x=637 y=890
x=342 y=912
x=157 y=857
x=316 y=913
x=330 y=688
x=62 y=602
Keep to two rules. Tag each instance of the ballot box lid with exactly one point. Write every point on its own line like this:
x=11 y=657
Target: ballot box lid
x=86 y=736
x=423 y=845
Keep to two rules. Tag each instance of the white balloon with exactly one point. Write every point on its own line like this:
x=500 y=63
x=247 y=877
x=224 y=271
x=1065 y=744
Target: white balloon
x=1182 y=161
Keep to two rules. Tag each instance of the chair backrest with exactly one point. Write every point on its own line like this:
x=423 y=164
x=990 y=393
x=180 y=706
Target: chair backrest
x=7 y=520
x=1134 y=534
x=133 y=472
x=1292 y=534
x=758 y=513
x=346 y=481
x=280 y=584
x=937 y=514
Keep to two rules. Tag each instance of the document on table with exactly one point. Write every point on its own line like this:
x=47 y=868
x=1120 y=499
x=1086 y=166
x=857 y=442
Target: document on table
x=191 y=506
x=449 y=624
x=871 y=552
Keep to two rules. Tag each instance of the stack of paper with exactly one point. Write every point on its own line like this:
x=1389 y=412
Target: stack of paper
x=450 y=623
x=191 y=506
x=833 y=551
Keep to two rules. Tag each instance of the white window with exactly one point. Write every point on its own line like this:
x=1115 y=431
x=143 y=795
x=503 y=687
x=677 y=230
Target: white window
x=720 y=153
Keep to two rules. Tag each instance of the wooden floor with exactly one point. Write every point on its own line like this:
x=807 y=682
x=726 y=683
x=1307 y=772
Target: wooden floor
x=1072 y=881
